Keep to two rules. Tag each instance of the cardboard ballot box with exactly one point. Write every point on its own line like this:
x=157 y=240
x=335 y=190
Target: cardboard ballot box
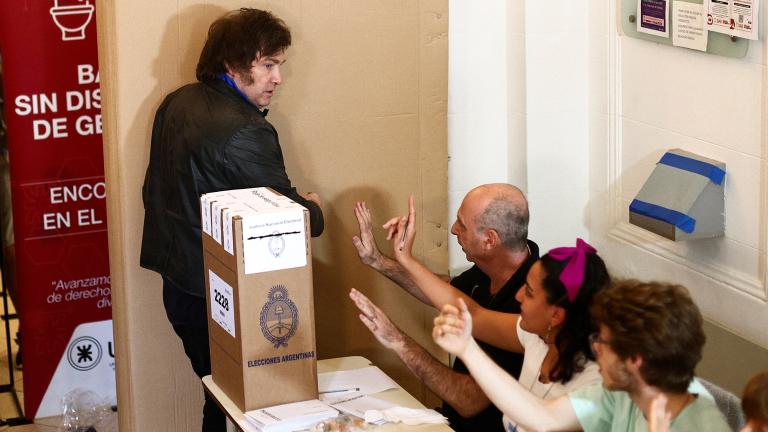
x=261 y=318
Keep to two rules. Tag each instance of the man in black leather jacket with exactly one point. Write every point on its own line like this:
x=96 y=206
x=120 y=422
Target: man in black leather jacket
x=212 y=136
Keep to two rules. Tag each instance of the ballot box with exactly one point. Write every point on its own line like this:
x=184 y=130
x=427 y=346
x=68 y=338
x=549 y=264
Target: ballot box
x=258 y=273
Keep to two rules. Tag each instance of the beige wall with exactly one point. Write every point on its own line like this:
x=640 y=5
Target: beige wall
x=730 y=360
x=361 y=116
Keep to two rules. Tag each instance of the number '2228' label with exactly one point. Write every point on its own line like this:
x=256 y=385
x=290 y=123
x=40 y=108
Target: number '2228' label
x=222 y=302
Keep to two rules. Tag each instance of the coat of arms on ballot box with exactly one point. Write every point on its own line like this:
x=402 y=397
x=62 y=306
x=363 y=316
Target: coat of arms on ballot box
x=279 y=317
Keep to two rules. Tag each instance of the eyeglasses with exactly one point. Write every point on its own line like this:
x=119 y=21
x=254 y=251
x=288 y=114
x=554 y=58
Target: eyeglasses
x=594 y=339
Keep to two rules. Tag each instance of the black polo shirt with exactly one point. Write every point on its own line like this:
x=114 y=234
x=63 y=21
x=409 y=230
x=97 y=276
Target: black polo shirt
x=476 y=285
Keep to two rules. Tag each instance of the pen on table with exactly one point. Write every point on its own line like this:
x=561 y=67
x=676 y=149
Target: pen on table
x=340 y=390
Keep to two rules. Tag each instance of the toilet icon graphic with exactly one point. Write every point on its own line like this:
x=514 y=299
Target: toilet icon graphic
x=72 y=17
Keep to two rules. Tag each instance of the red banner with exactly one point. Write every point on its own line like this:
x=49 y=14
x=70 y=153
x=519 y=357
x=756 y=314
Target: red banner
x=52 y=111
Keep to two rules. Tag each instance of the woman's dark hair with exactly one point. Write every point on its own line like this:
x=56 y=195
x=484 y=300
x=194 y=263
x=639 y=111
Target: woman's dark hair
x=239 y=37
x=572 y=341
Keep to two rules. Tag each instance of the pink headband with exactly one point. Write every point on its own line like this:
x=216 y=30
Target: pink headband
x=572 y=275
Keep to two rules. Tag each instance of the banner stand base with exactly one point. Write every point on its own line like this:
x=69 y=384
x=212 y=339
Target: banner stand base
x=11 y=386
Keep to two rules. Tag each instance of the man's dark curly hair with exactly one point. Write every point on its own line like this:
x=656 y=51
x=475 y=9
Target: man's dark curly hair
x=658 y=322
x=237 y=39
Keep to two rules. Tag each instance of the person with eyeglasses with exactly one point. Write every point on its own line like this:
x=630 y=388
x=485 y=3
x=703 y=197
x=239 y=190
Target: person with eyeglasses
x=648 y=342
x=553 y=325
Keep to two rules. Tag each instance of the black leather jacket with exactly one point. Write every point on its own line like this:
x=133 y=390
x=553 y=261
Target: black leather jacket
x=205 y=138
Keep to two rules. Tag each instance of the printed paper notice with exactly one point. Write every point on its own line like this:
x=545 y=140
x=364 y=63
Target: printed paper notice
x=653 y=17
x=744 y=18
x=222 y=303
x=733 y=17
x=274 y=241
x=688 y=26
x=719 y=15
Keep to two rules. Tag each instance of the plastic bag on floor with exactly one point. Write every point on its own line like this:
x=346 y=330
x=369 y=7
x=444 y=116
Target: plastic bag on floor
x=85 y=411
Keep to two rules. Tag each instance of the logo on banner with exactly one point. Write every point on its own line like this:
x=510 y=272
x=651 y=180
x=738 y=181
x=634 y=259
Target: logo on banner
x=53 y=119
x=72 y=17
x=84 y=353
x=279 y=317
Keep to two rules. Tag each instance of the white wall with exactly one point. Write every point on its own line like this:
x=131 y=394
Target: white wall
x=660 y=97
x=477 y=103
x=590 y=112
x=557 y=127
x=517 y=110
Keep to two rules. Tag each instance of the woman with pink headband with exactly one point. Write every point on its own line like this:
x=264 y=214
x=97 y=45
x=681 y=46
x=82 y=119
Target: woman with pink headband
x=554 y=325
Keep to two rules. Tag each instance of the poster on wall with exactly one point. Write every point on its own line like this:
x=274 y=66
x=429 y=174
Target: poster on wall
x=653 y=17
x=733 y=17
x=53 y=116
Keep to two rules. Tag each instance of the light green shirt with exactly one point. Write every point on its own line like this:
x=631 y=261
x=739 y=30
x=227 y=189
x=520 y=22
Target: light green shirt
x=600 y=410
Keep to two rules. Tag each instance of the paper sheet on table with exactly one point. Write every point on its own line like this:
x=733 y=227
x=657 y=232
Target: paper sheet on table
x=289 y=417
x=408 y=416
x=358 y=404
x=367 y=380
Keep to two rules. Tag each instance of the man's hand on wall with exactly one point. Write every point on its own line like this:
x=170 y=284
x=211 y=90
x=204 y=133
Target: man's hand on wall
x=377 y=321
x=371 y=256
x=365 y=243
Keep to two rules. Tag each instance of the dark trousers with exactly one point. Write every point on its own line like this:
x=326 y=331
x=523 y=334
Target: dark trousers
x=188 y=316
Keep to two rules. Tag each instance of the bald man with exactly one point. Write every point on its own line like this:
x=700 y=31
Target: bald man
x=492 y=228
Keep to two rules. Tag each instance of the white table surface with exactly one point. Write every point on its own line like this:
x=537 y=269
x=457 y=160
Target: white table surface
x=397 y=396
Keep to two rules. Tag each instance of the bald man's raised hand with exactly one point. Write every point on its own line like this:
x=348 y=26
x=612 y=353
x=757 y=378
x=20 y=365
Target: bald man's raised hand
x=365 y=243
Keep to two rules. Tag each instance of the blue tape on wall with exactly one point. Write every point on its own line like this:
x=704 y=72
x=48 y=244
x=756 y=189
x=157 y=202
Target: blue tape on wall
x=712 y=172
x=680 y=220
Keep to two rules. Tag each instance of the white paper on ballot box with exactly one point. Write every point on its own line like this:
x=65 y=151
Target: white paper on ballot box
x=217 y=207
x=205 y=208
x=205 y=214
x=227 y=215
x=274 y=240
x=222 y=302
